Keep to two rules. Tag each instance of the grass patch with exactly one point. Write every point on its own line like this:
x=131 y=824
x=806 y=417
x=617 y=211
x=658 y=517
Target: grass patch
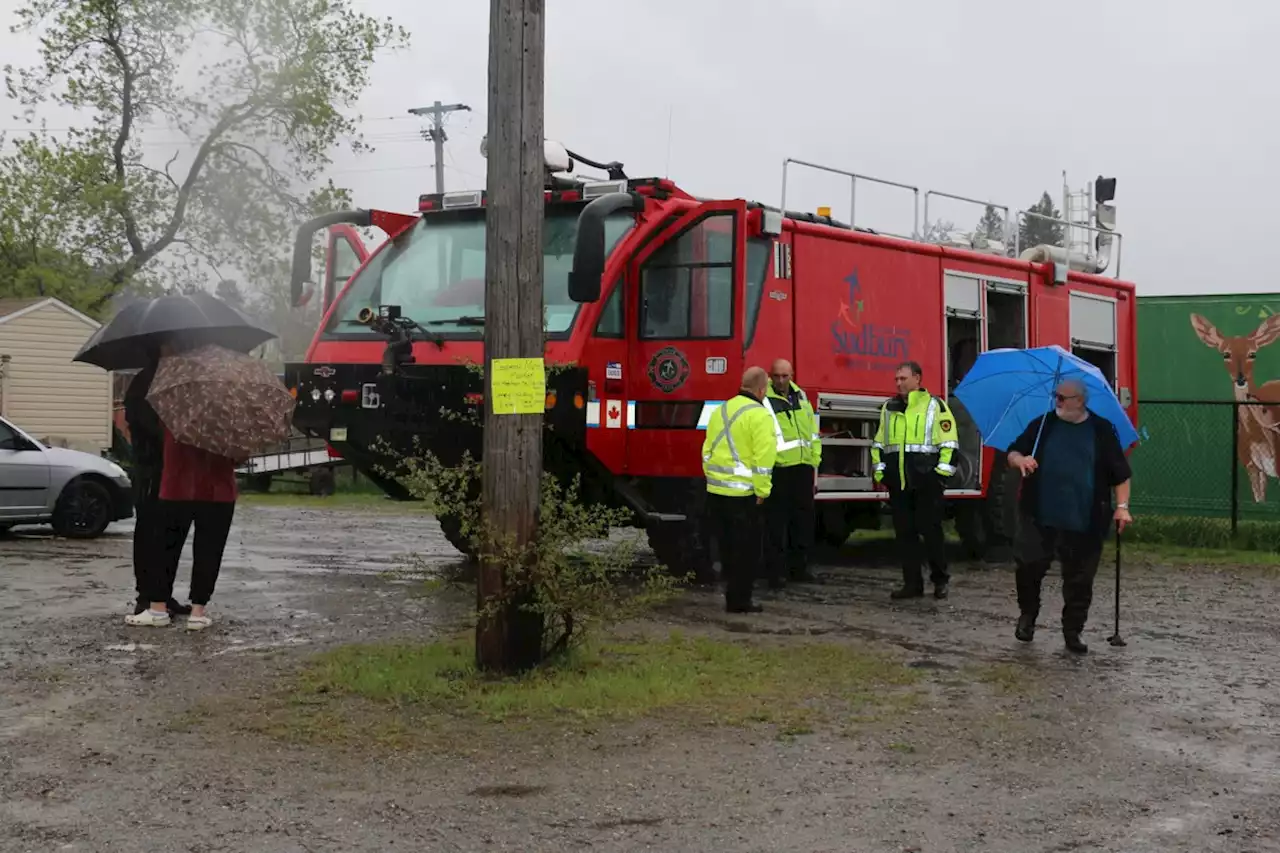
x=1006 y=679
x=392 y=693
x=1205 y=533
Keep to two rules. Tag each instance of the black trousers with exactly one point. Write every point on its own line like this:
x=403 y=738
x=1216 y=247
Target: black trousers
x=917 y=519
x=212 y=522
x=1078 y=553
x=789 y=515
x=736 y=526
x=148 y=537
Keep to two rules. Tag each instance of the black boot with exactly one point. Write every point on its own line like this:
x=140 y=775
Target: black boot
x=1074 y=643
x=1026 y=630
x=907 y=592
x=743 y=608
x=941 y=590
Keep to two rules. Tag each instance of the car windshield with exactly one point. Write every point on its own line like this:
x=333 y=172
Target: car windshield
x=435 y=273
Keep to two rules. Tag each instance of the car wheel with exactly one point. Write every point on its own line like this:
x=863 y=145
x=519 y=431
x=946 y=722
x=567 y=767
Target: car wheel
x=83 y=510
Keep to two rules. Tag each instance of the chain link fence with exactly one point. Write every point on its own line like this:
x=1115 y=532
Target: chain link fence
x=1207 y=459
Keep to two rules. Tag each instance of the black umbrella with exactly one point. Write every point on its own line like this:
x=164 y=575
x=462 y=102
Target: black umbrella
x=132 y=339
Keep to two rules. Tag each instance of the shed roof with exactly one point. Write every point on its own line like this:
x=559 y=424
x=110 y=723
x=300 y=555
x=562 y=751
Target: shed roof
x=12 y=309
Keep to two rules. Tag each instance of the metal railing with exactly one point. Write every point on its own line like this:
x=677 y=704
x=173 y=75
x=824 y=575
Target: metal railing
x=1012 y=222
x=854 y=177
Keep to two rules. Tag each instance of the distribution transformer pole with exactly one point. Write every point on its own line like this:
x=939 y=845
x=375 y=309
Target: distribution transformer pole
x=436 y=134
x=515 y=382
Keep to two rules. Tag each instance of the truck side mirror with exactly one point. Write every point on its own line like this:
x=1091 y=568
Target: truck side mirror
x=300 y=275
x=589 y=251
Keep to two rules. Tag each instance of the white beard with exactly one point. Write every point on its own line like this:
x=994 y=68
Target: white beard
x=1072 y=417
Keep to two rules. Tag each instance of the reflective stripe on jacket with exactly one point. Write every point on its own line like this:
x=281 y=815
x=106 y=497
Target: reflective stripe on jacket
x=916 y=435
x=739 y=450
x=797 y=426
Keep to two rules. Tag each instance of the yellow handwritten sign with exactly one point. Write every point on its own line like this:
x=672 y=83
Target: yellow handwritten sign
x=518 y=386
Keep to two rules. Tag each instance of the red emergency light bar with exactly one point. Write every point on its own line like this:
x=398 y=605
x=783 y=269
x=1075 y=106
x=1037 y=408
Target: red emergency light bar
x=435 y=202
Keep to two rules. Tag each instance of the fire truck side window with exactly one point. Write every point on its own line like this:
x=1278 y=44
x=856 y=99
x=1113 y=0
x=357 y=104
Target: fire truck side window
x=686 y=287
x=345 y=261
x=759 y=252
x=611 y=323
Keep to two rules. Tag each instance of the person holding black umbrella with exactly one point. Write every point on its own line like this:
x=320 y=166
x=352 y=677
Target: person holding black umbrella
x=146 y=440
x=1070 y=460
x=135 y=339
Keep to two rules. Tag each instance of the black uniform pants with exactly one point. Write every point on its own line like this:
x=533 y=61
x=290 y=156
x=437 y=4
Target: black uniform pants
x=212 y=522
x=148 y=539
x=789 y=514
x=736 y=526
x=917 y=519
x=1078 y=553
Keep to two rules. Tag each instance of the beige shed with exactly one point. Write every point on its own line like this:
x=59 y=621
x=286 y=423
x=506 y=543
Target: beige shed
x=55 y=400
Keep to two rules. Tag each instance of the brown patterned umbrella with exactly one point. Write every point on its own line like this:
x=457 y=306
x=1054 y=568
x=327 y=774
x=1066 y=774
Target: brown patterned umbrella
x=221 y=401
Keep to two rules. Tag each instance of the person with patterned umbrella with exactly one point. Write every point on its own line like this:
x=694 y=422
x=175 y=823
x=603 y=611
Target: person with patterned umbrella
x=218 y=408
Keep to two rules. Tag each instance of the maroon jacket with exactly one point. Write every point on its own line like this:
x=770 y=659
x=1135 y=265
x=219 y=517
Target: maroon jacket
x=192 y=474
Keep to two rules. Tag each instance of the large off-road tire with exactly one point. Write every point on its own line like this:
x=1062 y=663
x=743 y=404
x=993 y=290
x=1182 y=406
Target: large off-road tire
x=83 y=510
x=1000 y=518
x=322 y=481
x=988 y=527
x=684 y=548
x=451 y=527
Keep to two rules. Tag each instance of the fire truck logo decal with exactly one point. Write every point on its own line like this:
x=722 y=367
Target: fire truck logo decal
x=860 y=345
x=324 y=372
x=668 y=369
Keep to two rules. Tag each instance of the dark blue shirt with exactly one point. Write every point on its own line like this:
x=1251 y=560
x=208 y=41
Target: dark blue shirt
x=1066 y=476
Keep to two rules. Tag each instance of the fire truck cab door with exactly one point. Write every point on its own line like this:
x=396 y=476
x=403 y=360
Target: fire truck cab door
x=344 y=255
x=685 y=355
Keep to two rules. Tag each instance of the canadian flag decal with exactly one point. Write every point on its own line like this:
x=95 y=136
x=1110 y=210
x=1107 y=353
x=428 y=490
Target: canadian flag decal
x=613 y=414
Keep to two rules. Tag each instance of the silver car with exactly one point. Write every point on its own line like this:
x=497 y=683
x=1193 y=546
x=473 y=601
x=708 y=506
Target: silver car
x=78 y=493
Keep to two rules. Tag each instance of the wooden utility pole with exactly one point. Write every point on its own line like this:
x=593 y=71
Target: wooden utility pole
x=436 y=134
x=512 y=464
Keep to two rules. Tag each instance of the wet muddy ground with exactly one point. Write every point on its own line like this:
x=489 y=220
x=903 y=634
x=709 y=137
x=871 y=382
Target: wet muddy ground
x=1169 y=744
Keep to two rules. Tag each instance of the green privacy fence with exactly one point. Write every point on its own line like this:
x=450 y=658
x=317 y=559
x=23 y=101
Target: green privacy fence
x=1189 y=461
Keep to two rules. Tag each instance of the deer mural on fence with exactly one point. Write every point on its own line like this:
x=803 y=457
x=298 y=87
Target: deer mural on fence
x=1258 y=446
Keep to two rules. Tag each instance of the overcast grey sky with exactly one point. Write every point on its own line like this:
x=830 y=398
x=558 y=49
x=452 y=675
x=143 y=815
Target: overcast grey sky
x=1175 y=99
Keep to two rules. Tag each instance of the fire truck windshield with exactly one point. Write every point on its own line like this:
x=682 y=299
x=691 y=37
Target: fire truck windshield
x=435 y=273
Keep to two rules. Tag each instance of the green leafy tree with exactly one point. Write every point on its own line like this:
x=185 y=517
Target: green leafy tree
x=260 y=116
x=1034 y=231
x=991 y=225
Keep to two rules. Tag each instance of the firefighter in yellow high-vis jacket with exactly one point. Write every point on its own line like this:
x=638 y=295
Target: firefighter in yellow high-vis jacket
x=911 y=455
x=737 y=461
x=789 y=512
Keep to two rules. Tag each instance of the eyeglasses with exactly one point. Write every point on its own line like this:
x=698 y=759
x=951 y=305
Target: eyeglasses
x=1062 y=398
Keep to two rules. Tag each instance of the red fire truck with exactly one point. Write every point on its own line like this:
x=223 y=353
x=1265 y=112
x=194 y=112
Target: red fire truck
x=658 y=301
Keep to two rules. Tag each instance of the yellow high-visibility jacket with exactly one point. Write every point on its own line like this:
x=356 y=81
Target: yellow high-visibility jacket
x=739 y=450
x=916 y=436
x=798 y=426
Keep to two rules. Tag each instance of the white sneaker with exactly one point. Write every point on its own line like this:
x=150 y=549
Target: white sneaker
x=198 y=623
x=148 y=619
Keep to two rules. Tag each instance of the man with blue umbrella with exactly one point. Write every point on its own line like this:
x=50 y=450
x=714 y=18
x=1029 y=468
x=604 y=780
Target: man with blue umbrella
x=1066 y=506
x=1064 y=430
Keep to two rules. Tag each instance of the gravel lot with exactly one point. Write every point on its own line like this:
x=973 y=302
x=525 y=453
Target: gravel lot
x=1169 y=744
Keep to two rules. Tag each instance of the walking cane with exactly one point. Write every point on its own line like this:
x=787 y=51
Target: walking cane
x=1115 y=639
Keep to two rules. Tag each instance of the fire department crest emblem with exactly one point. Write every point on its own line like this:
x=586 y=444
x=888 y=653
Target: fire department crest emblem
x=668 y=369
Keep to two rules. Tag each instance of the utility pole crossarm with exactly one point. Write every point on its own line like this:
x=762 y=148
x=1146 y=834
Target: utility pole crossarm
x=437 y=111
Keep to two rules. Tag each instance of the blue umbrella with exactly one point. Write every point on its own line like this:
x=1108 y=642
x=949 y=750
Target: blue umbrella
x=1007 y=389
